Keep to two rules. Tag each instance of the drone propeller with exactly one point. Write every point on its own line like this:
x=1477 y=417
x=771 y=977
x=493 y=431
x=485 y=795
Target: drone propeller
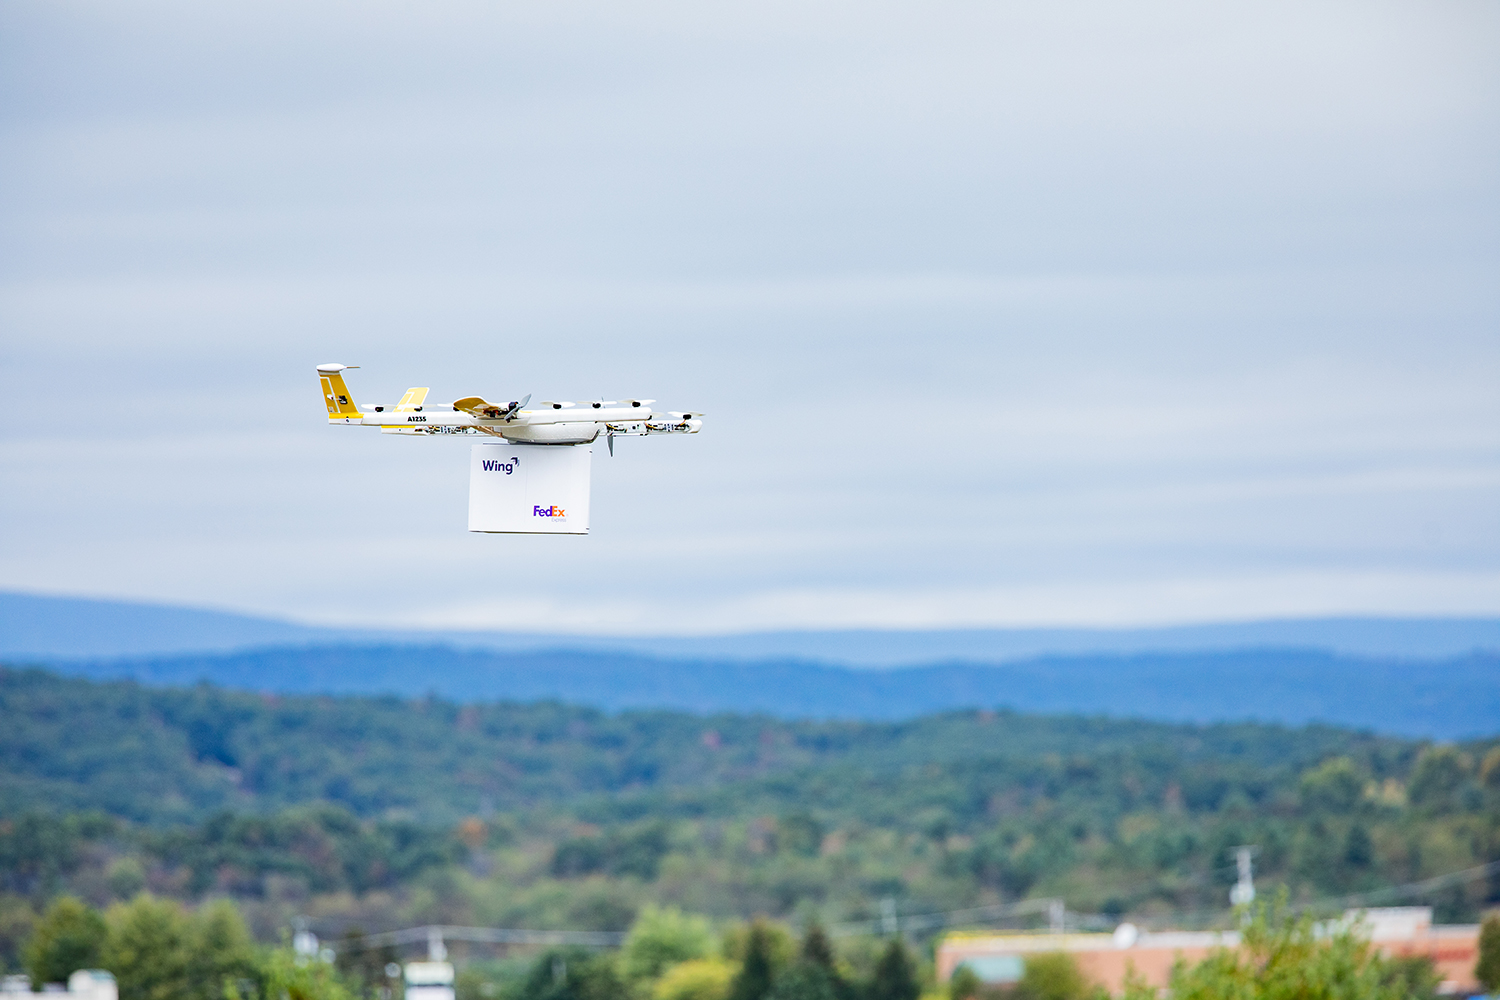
x=515 y=407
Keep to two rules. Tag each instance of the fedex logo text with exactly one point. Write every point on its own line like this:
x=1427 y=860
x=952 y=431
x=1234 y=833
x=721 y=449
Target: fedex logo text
x=553 y=511
x=495 y=465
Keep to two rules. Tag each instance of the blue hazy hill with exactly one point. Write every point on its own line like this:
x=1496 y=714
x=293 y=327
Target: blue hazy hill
x=1450 y=698
x=1424 y=677
x=44 y=628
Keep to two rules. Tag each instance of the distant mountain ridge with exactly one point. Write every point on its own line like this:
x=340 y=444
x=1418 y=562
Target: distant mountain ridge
x=1416 y=677
x=43 y=627
x=1446 y=699
x=47 y=629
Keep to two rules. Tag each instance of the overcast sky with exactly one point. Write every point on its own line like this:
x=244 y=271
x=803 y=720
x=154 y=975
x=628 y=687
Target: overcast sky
x=1002 y=312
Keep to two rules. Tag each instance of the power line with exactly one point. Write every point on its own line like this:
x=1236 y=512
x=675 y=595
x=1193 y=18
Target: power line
x=1054 y=907
x=929 y=921
x=1363 y=899
x=1408 y=889
x=484 y=935
x=999 y=911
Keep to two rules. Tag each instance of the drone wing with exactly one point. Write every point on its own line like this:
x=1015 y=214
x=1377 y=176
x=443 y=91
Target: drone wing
x=413 y=399
x=479 y=407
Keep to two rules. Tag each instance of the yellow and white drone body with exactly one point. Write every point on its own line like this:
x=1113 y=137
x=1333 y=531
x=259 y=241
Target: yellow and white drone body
x=531 y=475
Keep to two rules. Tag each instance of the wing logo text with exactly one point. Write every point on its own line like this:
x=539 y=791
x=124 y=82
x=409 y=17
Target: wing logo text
x=495 y=465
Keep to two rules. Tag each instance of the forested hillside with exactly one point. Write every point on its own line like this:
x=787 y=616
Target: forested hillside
x=167 y=754
x=383 y=812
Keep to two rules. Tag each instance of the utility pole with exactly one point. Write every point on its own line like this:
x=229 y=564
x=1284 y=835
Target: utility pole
x=1057 y=916
x=888 y=922
x=436 y=950
x=1243 y=893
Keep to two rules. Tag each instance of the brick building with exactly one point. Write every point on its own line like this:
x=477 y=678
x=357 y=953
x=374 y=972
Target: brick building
x=1105 y=958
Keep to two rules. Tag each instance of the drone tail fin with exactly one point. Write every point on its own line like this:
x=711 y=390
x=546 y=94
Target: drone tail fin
x=336 y=394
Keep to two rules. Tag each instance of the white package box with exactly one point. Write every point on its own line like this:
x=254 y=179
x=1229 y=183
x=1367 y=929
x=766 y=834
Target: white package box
x=530 y=488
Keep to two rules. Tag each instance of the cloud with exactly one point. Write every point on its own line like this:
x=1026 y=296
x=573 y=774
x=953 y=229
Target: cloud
x=1087 y=313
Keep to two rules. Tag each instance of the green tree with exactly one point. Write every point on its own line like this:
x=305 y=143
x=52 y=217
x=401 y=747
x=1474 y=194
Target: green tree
x=1487 y=969
x=1283 y=958
x=573 y=974
x=758 y=967
x=1439 y=773
x=801 y=833
x=70 y=936
x=803 y=980
x=782 y=948
x=17 y=921
x=150 y=949
x=127 y=876
x=1489 y=769
x=1359 y=849
x=895 y=975
x=662 y=937
x=1333 y=786
x=222 y=950
x=817 y=951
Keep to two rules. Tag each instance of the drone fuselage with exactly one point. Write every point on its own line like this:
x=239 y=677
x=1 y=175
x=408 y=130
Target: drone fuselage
x=573 y=425
x=548 y=423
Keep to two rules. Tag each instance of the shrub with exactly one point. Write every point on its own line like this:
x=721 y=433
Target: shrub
x=965 y=984
x=1052 y=976
x=699 y=979
x=1283 y=958
x=285 y=977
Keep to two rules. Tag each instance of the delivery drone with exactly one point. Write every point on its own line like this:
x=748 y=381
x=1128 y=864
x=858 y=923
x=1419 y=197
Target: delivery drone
x=531 y=475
